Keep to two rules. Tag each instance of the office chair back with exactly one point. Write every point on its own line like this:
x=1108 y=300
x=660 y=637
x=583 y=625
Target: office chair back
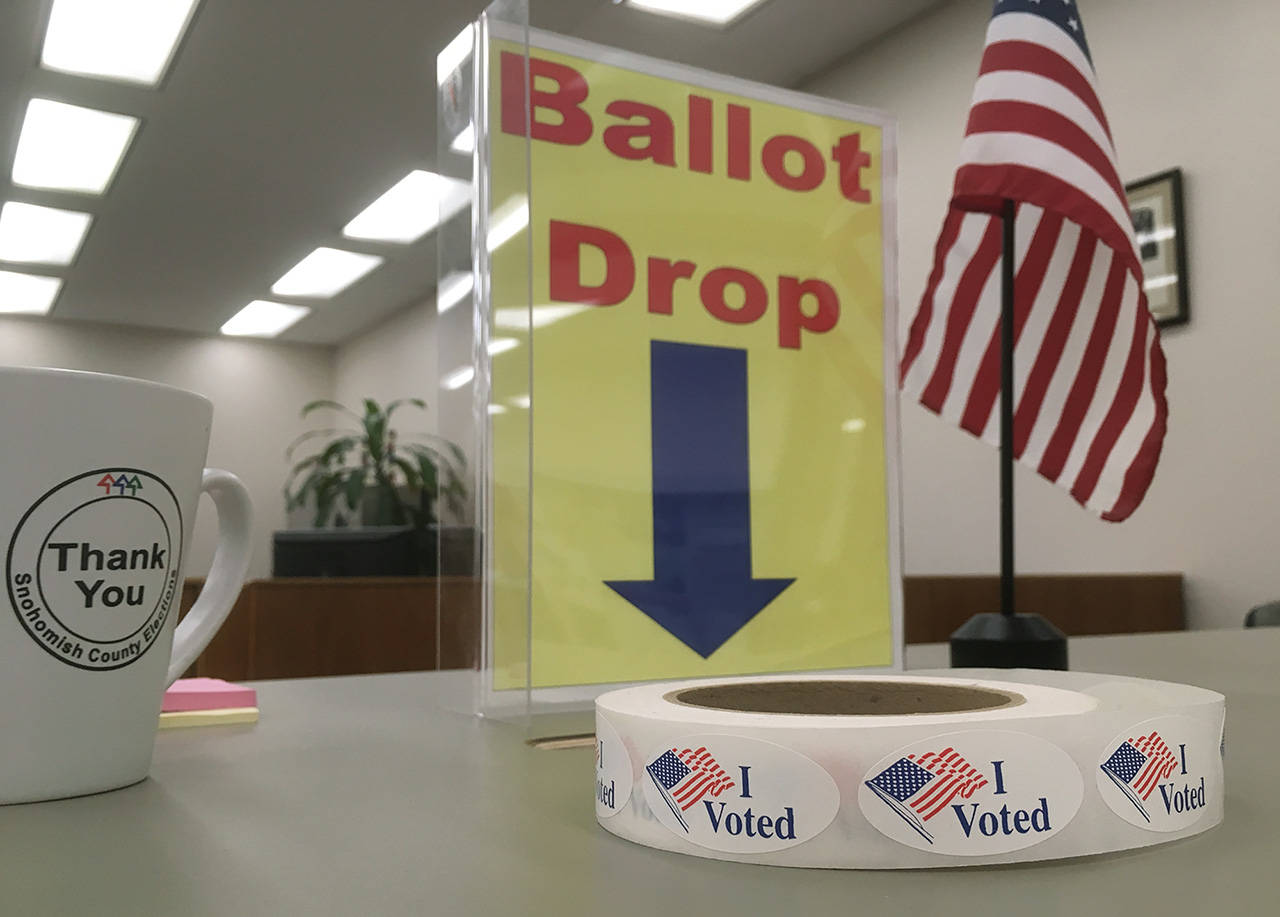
x=1267 y=615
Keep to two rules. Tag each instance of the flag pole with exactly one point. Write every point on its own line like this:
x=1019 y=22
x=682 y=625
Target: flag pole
x=1008 y=639
x=1006 y=413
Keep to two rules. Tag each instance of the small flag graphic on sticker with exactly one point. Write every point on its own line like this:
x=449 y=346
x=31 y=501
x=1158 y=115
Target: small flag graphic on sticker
x=918 y=787
x=1137 y=766
x=685 y=777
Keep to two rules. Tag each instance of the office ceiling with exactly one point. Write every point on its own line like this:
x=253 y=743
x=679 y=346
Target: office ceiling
x=278 y=121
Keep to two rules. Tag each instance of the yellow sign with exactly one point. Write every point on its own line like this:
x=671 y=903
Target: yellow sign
x=701 y=486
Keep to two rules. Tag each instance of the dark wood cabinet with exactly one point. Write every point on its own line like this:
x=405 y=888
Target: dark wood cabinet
x=294 y=628
x=1080 y=604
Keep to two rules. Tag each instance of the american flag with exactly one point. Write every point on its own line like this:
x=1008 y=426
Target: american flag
x=919 y=787
x=685 y=777
x=1138 y=766
x=1089 y=374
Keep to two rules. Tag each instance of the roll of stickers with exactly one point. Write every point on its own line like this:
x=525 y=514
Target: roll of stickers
x=968 y=767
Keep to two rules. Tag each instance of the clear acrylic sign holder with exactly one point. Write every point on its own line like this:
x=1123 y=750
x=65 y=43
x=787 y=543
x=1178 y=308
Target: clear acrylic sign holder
x=666 y=309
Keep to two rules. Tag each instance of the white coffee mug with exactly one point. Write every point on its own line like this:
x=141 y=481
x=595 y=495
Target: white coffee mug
x=99 y=481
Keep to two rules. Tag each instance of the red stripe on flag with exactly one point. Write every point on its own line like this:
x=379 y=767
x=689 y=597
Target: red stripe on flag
x=945 y=778
x=986 y=385
x=1038 y=121
x=1041 y=60
x=1032 y=186
x=1143 y=783
x=1143 y=467
x=1085 y=387
x=1122 y=408
x=959 y=784
x=929 y=805
x=691 y=790
x=1160 y=764
x=960 y=314
x=695 y=757
x=920 y=326
x=1055 y=341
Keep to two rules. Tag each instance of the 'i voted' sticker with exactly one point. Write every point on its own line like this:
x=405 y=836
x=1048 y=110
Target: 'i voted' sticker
x=1160 y=774
x=738 y=795
x=972 y=793
x=613 y=770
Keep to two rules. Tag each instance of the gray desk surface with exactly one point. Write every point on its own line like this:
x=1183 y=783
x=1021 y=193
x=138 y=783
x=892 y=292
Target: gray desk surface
x=377 y=795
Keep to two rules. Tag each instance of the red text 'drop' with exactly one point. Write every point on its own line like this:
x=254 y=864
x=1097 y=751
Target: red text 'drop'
x=730 y=294
x=642 y=131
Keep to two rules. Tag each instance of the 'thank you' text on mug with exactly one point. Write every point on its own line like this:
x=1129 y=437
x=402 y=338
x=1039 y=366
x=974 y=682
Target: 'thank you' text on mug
x=92 y=569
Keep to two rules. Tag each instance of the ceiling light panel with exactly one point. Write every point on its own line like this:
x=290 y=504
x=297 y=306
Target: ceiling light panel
x=41 y=235
x=410 y=210
x=69 y=148
x=453 y=289
x=522 y=318
x=465 y=142
x=458 y=378
x=454 y=55
x=130 y=40
x=325 y=272
x=264 y=319
x=507 y=221
x=716 y=12
x=27 y=293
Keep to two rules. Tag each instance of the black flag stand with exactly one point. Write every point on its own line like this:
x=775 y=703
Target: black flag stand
x=1007 y=640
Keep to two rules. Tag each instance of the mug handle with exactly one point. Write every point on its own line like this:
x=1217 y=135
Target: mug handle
x=230 y=564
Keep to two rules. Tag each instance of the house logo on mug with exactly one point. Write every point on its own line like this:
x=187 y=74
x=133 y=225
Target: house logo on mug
x=93 y=566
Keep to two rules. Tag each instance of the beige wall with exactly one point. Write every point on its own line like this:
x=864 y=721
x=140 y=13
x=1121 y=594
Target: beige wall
x=394 y=359
x=256 y=387
x=1184 y=84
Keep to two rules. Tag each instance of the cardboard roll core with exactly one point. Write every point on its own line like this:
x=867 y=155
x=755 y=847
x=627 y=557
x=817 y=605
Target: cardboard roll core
x=846 y=698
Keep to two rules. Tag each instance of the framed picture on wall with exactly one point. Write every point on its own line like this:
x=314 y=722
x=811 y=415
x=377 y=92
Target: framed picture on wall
x=1155 y=205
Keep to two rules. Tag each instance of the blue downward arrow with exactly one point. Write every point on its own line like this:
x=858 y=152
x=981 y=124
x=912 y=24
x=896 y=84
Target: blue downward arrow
x=702 y=590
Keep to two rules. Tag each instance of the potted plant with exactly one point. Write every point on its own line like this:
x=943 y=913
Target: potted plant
x=366 y=467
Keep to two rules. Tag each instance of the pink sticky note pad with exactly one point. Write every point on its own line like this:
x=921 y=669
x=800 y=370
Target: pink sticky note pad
x=207 y=694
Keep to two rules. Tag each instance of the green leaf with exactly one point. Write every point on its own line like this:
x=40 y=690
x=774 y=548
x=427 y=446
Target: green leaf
x=307 y=462
x=326 y=492
x=337 y=449
x=310 y=435
x=435 y=444
x=353 y=490
x=430 y=476
x=328 y=403
x=434 y=456
x=297 y=498
x=411 y=476
x=416 y=402
x=375 y=429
